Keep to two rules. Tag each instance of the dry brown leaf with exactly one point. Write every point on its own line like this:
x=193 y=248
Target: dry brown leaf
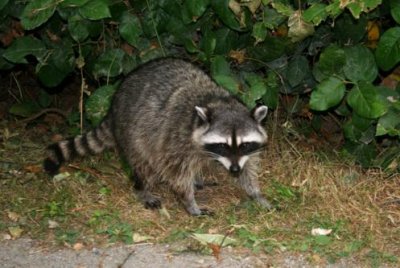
x=13 y=216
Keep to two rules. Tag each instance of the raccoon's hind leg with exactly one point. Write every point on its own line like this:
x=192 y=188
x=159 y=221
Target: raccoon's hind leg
x=142 y=190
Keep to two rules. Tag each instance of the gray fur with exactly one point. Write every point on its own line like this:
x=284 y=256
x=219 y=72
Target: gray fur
x=156 y=121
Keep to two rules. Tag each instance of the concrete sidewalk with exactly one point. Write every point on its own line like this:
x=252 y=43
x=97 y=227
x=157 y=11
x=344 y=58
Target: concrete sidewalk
x=28 y=253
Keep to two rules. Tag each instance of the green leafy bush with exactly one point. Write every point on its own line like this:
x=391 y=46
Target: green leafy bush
x=331 y=54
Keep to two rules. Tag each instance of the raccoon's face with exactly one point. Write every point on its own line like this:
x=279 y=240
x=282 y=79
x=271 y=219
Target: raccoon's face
x=231 y=137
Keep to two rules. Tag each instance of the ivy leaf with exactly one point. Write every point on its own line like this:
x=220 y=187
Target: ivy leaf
x=332 y=60
x=221 y=8
x=259 y=32
x=365 y=100
x=327 y=94
x=271 y=96
x=388 y=50
x=130 y=28
x=315 y=14
x=73 y=3
x=271 y=18
x=37 y=12
x=110 y=63
x=360 y=64
x=297 y=70
x=283 y=9
x=23 y=47
x=95 y=10
x=4 y=64
x=395 y=10
x=98 y=103
x=57 y=67
x=24 y=109
x=78 y=28
x=196 y=8
x=389 y=124
x=3 y=3
x=298 y=28
x=208 y=43
x=220 y=66
x=257 y=88
x=228 y=82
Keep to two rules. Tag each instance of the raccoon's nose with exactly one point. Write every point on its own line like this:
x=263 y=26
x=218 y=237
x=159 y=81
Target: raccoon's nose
x=234 y=169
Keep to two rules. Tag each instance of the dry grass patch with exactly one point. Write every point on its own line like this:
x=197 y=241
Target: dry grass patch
x=94 y=204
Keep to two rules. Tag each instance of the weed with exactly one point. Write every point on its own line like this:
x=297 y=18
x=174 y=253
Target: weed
x=120 y=232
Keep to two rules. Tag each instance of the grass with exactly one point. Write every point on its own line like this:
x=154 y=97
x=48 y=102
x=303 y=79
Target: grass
x=91 y=202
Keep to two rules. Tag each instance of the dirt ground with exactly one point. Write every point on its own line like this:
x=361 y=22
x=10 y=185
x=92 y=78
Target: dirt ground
x=28 y=253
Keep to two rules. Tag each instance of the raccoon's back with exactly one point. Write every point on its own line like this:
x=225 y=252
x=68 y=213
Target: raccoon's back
x=154 y=108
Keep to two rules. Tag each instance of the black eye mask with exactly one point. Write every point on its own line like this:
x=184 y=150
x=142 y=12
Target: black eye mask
x=225 y=150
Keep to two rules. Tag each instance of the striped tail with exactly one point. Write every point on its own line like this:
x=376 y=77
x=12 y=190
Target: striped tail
x=93 y=142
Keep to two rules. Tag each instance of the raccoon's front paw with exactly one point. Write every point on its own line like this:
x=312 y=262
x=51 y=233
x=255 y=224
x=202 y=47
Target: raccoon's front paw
x=206 y=212
x=153 y=203
x=264 y=203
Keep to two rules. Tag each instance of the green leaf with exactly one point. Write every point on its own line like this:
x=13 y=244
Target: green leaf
x=220 y=66
x=208 y=43
x=355 y=9
x=3 y=3
x=298 y=28
x=259 y=32
x=78 y=28
x=228 y=82
x=327 y=94
x=130 y=28
x=347 y=30
x=297 y=70
x=73 y=3
x=37 y=12
x=110 y=63
x=256 y=90
x=283 y=9
x=23 y=47
x=271 y=96
x=95 y=10
x=360 y=64
x=271 y=49
x=334 y=9
x=395 y=10
x=365 y=100
x=271 y=18
x=44 y=99
x=57 y=67
x=332 y=60
x=365 y=153
x=389 y=124
x=221 y=8
x=98 y=103
x=315 y=14
x=388 y=50
x=322 y=240
x=4 y=64
x=24 y=109
x=196 y=8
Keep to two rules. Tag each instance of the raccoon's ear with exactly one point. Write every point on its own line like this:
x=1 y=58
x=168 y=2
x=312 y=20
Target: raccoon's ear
x=259 y=112
x=203 y=113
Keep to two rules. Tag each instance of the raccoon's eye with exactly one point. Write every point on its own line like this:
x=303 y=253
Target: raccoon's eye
x=221 y=149
x=249 y=147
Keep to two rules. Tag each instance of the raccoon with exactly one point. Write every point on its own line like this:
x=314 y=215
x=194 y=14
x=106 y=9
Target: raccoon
x=169 y=120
